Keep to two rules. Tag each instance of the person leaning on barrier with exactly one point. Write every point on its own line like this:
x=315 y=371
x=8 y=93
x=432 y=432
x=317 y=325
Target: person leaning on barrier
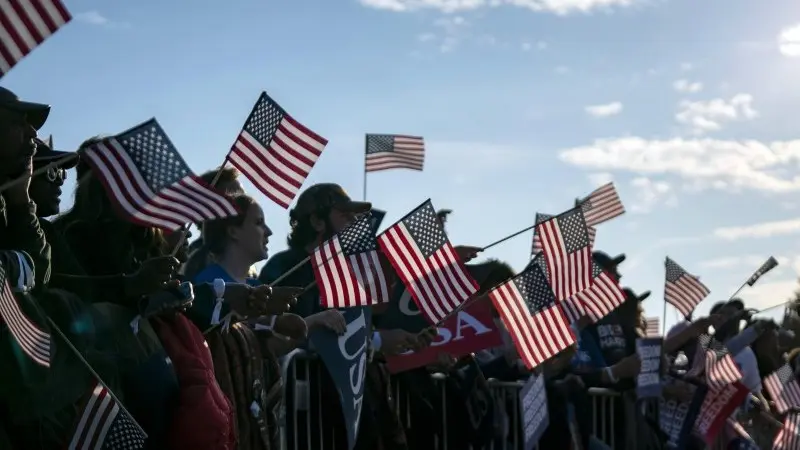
x=20 y=229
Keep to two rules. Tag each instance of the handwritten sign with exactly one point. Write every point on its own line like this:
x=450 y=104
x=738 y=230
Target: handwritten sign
x=533 y=411
x=471 y=330
x=346 y=359
x=648 y=382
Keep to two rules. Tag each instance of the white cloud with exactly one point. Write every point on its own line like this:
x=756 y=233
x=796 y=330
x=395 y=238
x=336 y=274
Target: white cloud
x=759 y=230
x=94 y=17
x=649 y=193
x=600 y=178
x=709 y=163
x=451 y=31
x=769 y=295
x=560 y=7
x=710 y=115
x=609 y=109
x=687 y=87
x=686 y=67
x=789 y=41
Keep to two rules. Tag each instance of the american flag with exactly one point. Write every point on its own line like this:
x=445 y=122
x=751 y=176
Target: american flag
x=713 y=358
x=603 y=296
x=653 y=326
x=34 y=341
x=424 y=259
x=602 y=205
x=26 y=24
x=392 y=151
x=573 y=306
x=682 y=289
x=788 y=438
x=275 y=151
x=150 y=183
x=568 y=252
x=529 y=311
x=537 y=242
x=740 y=438
x=770 y=264
x=347 y=268
x=376 y=217
x=784 y=389
x=104 y=424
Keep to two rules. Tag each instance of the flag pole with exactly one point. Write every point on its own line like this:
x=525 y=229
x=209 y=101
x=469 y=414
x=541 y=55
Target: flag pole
x=366 y=139
x=59 y=162
x=738 y=290
x=664 y=315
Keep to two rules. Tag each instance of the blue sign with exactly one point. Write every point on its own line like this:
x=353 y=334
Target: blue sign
x=346 y=359
x=533 y=411
x=677 y=416
x=648 y=382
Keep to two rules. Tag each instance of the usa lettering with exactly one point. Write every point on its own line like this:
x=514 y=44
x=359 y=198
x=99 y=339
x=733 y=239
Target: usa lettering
x=357 y=332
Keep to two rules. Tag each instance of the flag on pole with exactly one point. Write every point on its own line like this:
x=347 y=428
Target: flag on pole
x=770 y=264
x=150 y=183
x=347 y=268
x=529 y=311
x=424 y=259
x=26 y=24
x=603 y=296
x=275 y=151
x=602 y=205
x=104 y=424
x=537 y=241
x=682 y=290
x=34 y=341
x=784 y=389
x=572 y=307
x=567 y=251
x=653 y=326
x=714 y=358
x=788 y=438
x=393 y=151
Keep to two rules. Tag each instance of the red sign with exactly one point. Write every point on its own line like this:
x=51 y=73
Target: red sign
x=472 y=330
x=717 y=407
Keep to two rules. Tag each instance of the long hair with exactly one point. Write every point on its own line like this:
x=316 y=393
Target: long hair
x=215 y=238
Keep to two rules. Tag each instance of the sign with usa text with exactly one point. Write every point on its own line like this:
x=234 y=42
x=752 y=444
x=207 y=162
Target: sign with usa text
x=533 y=411
x=648 y=382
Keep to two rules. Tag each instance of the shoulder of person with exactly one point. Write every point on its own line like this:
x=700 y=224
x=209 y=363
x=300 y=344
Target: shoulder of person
x=208 y=274
x=279 y=263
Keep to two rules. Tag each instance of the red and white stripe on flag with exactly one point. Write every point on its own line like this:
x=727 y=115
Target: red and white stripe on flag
x=430 y=268
x=275 y=151
x=788 y=438
x=653 y=326
x=30 y=338
x=26 y=24
x=568 y=253
x=537 y=241
x=602 y=297
x=537 y=337
x=602 y=205
x=347 y=281
x=783 y=388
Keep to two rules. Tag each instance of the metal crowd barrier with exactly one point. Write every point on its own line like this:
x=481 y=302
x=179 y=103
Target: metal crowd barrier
x=305 y=425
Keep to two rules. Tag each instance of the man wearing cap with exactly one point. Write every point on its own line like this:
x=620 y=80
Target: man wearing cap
x=19 y=229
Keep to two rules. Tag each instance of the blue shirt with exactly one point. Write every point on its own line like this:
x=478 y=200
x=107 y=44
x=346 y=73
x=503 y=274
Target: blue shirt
x=203 y=307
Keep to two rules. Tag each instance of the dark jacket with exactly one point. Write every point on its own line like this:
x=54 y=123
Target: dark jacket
x=20 y=230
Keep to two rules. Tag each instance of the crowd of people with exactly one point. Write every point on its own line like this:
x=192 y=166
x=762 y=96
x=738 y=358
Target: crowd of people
x=187 y=345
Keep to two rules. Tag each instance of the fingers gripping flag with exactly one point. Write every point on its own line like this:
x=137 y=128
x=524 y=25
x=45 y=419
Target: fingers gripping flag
x=529 y=311
x=150 y=183
x=418 y=249
x=682 y=290
x=275 y=151
x=347 y=268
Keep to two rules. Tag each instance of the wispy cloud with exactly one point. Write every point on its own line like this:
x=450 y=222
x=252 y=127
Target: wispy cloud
x=94 y=17
x=606 y=110
x=789 y=41
x=559 y=7
x=649 y=193
x=759 y=230
x=753 y=261
x=687 y=86
x=705 y=116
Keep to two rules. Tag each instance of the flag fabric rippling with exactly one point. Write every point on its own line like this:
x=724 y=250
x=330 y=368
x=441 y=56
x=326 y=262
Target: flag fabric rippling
x=429 y=266
x=150 y=183
x=24 y=25
x=33 y=341
x=275 y=151
x=104 y=424
x=784 y=389
x=653 y=326
x=393 y=151
x=567 y=250
x=602 y=205
x=682 y=289
x=603 y=296
x=537 y=241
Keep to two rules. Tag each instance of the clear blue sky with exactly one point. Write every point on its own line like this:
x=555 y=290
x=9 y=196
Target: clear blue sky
x=690 y=107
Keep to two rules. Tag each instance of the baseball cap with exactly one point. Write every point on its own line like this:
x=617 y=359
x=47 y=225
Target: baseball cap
x=638 y=298
x=323 y=197
x=36 y=113
x=608 y=263
x=45 y=154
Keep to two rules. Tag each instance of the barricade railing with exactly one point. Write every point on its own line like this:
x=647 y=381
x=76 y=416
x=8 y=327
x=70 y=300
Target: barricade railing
x=304 y=424
x=309 y=396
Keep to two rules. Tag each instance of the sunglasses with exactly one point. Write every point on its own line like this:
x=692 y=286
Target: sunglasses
x=56 y=174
